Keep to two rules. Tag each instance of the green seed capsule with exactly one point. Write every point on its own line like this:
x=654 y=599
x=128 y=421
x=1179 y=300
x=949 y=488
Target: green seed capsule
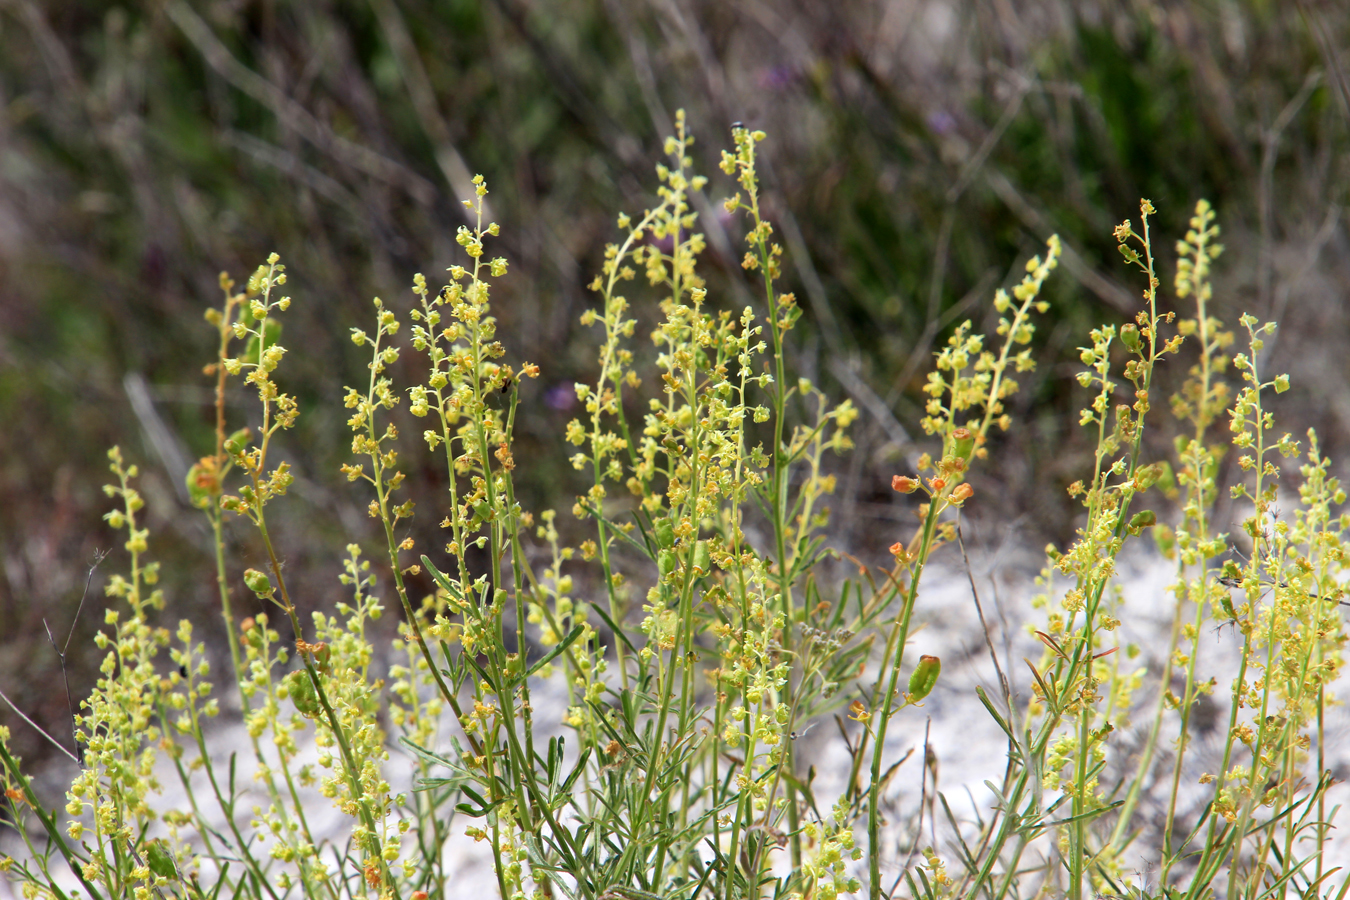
x=1142 y=520
x=665 y=534
x=1167 y=479
x=302 y=693
x=160 y=860
x=1129 y=336
x=963 y=443
x=702 y=558
x=666 y=562
x=236 y=442
x=258 y=582
x=1148 y=476
x=925 y=677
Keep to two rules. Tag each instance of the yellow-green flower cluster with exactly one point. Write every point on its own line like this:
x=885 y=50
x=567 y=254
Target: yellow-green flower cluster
x=341 y=657
x=118 y=725
x=826 y=870
x=262 y=355
x=953 y=391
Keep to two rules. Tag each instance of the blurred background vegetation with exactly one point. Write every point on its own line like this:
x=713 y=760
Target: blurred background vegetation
x=919 y=152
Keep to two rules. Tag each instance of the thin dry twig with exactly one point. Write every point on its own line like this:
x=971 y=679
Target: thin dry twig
x=78 y=755
x=423 y=97
x=984 y=626
x=293 y=114
x=38 y=728
x=925 y=802
x=1265 y=191
x=1107 y=291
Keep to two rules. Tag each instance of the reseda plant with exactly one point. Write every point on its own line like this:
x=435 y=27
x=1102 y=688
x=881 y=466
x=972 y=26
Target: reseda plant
x=710 y=640
x=1061 y=743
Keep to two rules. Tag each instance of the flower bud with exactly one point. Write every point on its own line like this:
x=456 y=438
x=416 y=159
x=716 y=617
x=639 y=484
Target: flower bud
x=253 y=635
x=203 y=482
x=962 y=492
x=904 y=484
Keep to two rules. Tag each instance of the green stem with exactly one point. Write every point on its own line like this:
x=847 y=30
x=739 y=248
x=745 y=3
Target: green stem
x=894 y=659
